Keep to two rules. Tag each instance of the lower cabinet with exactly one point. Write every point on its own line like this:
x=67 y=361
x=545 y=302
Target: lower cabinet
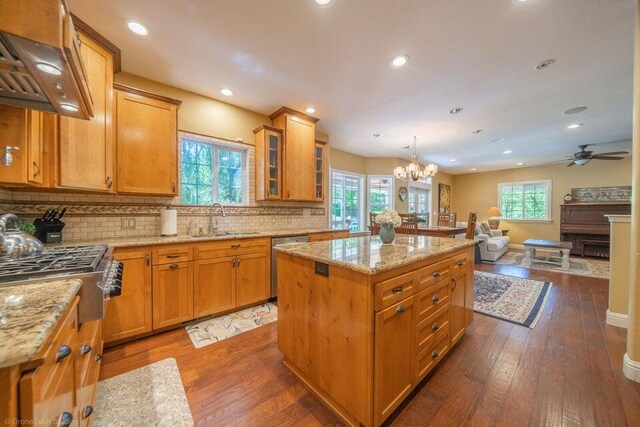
x=252 y=278
x=457 y=287
x=130 y=313
x=172 y=294
x=214 y=285
x=394 y=357
x=328 y=235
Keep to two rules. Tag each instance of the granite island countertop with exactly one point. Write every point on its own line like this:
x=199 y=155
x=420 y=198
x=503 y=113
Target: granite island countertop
x=123 y=242
x=28 y=314
x=369 y=256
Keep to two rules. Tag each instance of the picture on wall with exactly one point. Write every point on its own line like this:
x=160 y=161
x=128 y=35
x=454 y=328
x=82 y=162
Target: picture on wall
x=444 y=198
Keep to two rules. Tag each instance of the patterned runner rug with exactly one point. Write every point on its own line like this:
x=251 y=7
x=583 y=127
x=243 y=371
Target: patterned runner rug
x=149 y=396
x=219 y=328
x=579 y=266
x=509 y=298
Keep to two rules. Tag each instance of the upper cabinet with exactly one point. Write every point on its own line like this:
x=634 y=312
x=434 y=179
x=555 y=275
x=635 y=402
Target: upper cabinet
x=86 y=146
x=321 y=162
x=21 y=136
x=268 y=143
x=147 y=142
x=299 y=154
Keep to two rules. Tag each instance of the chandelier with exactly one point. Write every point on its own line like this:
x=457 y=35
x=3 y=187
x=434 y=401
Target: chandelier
x=413 y=170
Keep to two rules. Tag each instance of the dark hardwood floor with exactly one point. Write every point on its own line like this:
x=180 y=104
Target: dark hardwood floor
x=565 y=371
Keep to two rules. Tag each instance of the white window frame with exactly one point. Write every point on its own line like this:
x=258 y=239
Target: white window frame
x=422 y=186
x=363 y=193
x=547 y=182
x=218 y=145
x=392 y=195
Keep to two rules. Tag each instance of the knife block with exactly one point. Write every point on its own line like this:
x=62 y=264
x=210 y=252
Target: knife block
x=48 y=232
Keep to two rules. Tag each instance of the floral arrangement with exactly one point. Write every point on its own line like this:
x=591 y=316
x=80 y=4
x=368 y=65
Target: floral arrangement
x=388 y=216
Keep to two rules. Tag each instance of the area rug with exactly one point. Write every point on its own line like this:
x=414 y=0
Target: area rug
x=219 y=328
x=578 y=266
x=513 y=299
x=149 y=396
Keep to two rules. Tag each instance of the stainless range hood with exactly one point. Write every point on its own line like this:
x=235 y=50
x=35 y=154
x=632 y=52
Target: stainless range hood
x=40 y=64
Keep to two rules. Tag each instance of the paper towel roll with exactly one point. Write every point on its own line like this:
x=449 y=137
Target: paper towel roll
x=169 y=222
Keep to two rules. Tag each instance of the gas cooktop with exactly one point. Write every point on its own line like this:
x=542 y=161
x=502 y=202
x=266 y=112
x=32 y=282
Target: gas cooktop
x=52 y=262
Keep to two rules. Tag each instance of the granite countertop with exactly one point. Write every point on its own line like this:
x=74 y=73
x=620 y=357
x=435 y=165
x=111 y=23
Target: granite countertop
x=369 y=256
x=28 y=314
x=122 y=242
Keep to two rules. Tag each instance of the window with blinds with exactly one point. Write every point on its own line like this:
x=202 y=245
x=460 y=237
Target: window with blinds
x=525 y=201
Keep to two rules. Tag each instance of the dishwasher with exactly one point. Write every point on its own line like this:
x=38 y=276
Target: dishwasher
x=274 y=273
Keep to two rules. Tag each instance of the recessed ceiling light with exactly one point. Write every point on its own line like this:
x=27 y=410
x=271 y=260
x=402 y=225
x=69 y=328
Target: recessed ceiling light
x=323 y=2
x=519 y=163
x=453 y=160
x=226 y=91
x=376 y=135
x=48 y=68
x=399 y=60
x=137 y=28
x=507 y=152
x=310 y=110
x=575 y=110
x=519 y=1
x=545 y=64
x=574 y=126
x=477 y=131
x=497 y=140
x=474 y=169
x=69 y=107
x=456 y=110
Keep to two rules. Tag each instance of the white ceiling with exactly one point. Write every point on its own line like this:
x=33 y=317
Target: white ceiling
x=480 y=55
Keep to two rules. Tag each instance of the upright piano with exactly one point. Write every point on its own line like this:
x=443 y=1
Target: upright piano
x=586 y=226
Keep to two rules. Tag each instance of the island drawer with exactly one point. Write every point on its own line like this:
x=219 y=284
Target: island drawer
x=171 y=254
x=459 y=262
x=432 y=329
x=430 y=356
x=222 y=248
x=393 y=290
x=432 y=299
x=432 y=274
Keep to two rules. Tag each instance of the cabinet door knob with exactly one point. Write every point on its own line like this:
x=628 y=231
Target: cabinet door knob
x=85 y=349
x=63 y=352
x=109 y=182
x=398 y=289
x=435 y=327
x=400 y=309
x=436 y=274
x=460 y=263
x=88 y=410
x=173 y=266
x=98 y=357
x=435 y=299
x=435 y=354
x=66 y=419
x=147 y=259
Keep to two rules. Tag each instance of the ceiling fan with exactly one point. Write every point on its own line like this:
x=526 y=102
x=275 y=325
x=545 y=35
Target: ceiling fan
x=584 y=156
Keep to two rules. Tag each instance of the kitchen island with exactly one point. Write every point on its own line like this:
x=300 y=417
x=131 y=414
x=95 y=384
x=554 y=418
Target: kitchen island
x=362 y=323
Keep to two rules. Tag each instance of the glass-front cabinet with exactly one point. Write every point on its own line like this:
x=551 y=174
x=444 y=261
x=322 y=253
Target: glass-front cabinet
x=268 y=162
x=319 y=172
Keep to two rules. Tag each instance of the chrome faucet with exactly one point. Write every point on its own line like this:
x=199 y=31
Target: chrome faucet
x=214 y=228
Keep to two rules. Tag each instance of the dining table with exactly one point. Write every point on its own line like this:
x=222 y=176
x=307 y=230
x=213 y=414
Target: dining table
x=440 y=231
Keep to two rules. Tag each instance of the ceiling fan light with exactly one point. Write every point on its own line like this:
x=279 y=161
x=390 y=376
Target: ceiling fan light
x=581 y=162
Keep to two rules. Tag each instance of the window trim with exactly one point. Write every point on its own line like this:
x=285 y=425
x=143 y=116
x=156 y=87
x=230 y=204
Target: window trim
x=363 y=190
x=549 y=210
x=217 y=144
x=392 y=196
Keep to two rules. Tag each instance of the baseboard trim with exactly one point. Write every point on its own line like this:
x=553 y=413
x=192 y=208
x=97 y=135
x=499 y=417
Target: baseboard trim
x=631 y=368
x=617 y=319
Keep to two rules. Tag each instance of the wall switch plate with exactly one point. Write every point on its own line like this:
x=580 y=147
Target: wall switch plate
x=322 y=269
x=128 y=223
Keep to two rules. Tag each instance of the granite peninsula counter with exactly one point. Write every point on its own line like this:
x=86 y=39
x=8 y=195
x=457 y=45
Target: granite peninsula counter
x=362 y=323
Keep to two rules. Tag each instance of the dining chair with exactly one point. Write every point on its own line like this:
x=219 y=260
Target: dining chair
x=409 y=224
x=423 y=220
x=471 y=225
x=373 y=226
x=447 y=219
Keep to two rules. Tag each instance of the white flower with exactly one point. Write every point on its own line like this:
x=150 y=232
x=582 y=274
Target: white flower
x=388 y=216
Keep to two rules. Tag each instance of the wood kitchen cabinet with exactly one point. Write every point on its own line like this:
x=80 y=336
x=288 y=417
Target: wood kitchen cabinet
x=252 y=278
x=214 y=285
x=130 y=314
x=23 y=129
x=268 y=163
x=146 y=142
x=86 y=147
x=320 y=163
x=457 y=318
x=172 y=294
x=299 y=148
x=395 y=358
x=328 y=235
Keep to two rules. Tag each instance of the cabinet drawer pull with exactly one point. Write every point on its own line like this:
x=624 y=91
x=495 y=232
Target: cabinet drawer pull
x=400 y=309
x=435 y=299
x=235 y=246
x=63 y=352
x=109 y=182
x=454 y=284
x=85 y=349
x=173 y=266
x=435 y=327
x=435 y=354
x=66 y=419
x=237 y=262
x=436 y=274
x=460 y=263
x=173 y=256
x=88 y=410
x=147 y=259
x=398 y=289
x=98 y=357
x=35 y=165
